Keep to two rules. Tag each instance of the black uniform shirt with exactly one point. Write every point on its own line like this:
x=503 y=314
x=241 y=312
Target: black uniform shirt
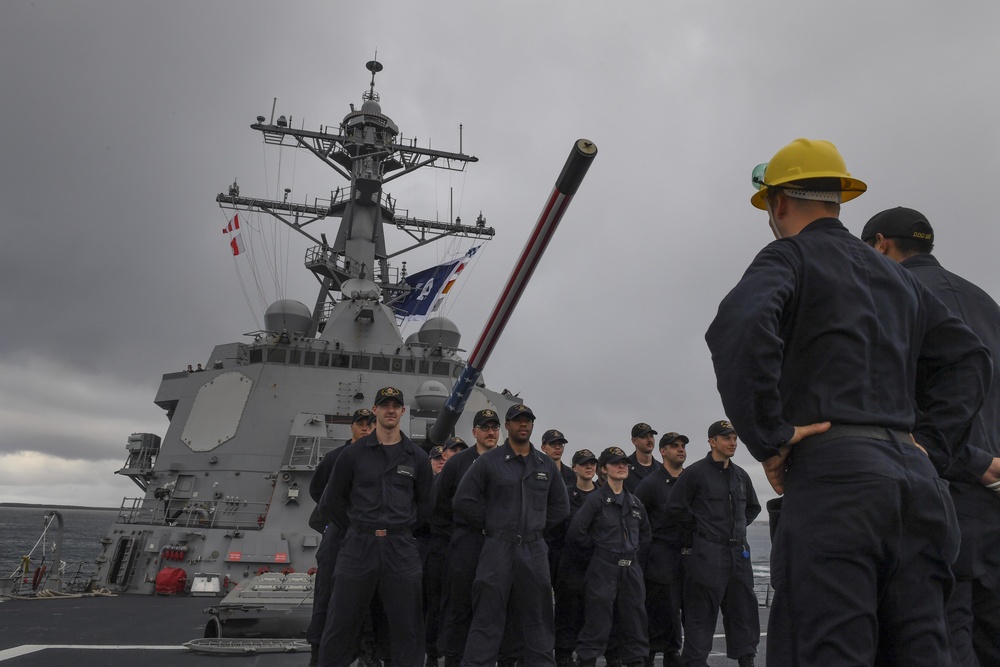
x=715 y=501
x=517 y=494
x=638 y=472
x=820 y=328
x=321 y=475
x=375 y=485
x=982 y=314
x=443 y=518
x=568 y=475
x=654 y=493
x=616 y=523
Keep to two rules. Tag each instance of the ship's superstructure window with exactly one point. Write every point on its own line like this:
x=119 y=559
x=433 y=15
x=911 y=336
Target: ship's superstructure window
x=366 y=362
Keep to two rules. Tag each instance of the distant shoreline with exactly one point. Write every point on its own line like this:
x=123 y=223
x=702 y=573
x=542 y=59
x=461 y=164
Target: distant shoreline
x=57 y=507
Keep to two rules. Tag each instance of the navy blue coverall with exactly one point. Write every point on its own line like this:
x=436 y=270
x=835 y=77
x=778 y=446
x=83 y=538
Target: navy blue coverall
x=974 y=605
x=458 y=547
x=617 y=528
x=569 y=585
x=716 y=503
x=377 y=495
x=661 y=563
x=555 y=537
x=513 y=499
x=820 y=328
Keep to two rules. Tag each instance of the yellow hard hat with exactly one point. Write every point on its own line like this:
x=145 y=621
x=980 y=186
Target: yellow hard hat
x=801 y=160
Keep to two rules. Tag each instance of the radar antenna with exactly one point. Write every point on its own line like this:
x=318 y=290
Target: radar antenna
x=374 y=66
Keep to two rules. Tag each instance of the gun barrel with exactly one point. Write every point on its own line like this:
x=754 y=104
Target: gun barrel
x=577 y=164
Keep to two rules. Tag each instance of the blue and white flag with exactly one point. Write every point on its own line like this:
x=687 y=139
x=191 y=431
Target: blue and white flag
x=428 y=288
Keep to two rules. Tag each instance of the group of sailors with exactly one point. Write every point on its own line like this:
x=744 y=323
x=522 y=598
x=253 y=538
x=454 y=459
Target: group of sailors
x=865 y=378
x=859 y=372
x=500 y=553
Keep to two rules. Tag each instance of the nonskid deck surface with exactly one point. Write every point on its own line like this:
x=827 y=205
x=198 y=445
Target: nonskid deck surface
x=149 y=631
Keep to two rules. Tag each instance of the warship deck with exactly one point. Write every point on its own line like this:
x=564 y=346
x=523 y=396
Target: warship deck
x=131 y=630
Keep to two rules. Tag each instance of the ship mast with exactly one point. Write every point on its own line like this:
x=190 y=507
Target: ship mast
x=366 y=150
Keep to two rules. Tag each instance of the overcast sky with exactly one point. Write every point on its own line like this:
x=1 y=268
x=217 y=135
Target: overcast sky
x=123 y=120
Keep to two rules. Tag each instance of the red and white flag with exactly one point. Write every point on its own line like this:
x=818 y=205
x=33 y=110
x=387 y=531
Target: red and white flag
x=233 y=225
x=237 y=244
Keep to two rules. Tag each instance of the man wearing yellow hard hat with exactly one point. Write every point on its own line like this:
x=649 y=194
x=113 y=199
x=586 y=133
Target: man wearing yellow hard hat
x=841 y=372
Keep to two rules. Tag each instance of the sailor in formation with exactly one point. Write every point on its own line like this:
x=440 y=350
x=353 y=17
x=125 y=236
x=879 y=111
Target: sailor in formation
x=851 y=382
x=458 y=543
x=613 y=523
x=329 y=546
x=641 y=461
x=454 y=445
x=570 y=582
x=512 y=494
x=436 y=456
x=554 y=445
x=380 y=490
x=715 y=501
x=661 y=563
x=973 y=612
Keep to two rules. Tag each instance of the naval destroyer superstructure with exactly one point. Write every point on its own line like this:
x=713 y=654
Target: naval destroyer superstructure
x=224 y=493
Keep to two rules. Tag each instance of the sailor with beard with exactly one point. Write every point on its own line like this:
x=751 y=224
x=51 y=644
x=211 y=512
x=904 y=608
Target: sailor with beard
x=641 y=462
x=512 y=494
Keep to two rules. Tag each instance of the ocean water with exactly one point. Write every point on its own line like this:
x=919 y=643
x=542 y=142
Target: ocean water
x=759 y=537
x=21 y=528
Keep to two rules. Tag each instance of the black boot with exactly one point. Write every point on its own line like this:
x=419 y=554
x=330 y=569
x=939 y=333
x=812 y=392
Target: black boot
x=564 y=659
x=452 y=661
x=747 y=660
x=313 y=655
x=672 y=659
x=368 y=659
x=650 y=659
x=431 y=660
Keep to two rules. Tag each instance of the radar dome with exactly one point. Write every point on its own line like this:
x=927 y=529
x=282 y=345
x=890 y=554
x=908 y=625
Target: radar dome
x=439 y=330
x=288 y=315
x=431 y=395
x=371 y=107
